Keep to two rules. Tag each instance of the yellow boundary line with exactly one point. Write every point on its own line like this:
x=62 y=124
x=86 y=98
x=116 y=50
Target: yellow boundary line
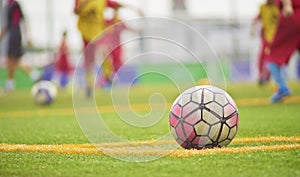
x=135 y=107
x=64 y=149
x=237 y=150
x=268 y=139
x=292 y=139
x=143 y=148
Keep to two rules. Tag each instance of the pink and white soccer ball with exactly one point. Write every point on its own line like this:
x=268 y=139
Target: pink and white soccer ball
x=203 y=117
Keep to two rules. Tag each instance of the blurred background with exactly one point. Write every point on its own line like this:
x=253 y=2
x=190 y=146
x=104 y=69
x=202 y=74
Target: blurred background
x=224 y=24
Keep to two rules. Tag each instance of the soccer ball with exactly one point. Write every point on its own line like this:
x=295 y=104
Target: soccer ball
x=44 y=92
x=203 y=117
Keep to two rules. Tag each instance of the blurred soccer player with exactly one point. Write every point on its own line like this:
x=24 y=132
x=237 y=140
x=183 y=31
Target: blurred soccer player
x=62 y=64
x=112 y=41
x=268 y=16
x=90 y=24
x=14 y=50
x=117 y=27
x=285 y=42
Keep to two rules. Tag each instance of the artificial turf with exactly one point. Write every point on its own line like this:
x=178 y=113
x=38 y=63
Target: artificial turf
x=23 y=122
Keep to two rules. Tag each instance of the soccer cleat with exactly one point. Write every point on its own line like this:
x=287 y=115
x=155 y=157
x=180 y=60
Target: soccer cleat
x=279 y=95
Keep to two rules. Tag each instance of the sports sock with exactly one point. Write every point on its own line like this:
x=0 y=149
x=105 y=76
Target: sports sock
x=10 y=85
x=34 y=74
x=277 y=74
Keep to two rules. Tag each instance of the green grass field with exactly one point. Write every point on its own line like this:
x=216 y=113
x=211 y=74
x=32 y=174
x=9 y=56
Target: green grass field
x=22 y=122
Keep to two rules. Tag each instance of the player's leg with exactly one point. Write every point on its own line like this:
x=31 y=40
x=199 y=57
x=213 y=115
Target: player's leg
x=261 y=63
x=108 y=71
x=13 y=54
x=266 y=75
x=117 y=58
x=33 y=73
x=63 y=80
x=277 y=74
x=12 y=64
x=89 y=60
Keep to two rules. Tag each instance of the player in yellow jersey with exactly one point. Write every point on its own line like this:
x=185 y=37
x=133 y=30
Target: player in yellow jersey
x=268 y=17
x=90 y=24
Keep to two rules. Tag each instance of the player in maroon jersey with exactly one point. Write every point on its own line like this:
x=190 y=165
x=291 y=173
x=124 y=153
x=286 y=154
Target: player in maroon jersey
x=14 y=47
x=285 y=42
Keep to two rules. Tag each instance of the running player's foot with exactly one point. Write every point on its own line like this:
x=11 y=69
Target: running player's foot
x=279 y=95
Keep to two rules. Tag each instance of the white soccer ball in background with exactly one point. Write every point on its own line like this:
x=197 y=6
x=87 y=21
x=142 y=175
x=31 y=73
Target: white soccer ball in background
x=44 y=92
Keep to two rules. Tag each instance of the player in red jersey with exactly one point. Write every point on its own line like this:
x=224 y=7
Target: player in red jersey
x=268 y=17
x=91 y=24
x=285 y=42
x=111 y=40
x=116 y=27
x=62 y=64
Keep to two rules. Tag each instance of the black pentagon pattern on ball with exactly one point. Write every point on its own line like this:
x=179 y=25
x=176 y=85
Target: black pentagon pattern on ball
x=204 y=111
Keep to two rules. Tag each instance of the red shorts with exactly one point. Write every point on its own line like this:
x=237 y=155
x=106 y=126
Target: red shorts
x=286 y=39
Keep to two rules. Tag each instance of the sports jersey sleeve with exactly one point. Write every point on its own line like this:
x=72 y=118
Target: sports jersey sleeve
x=75 y=6
x=14 y=16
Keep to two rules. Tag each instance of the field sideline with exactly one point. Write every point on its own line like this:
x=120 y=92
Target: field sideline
x=136 y=107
